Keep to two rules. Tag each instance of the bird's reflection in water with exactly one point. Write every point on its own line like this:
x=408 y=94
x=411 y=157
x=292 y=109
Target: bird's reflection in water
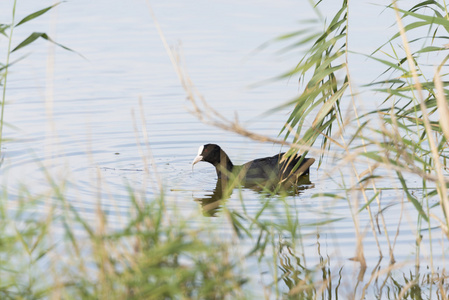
x=212 y=201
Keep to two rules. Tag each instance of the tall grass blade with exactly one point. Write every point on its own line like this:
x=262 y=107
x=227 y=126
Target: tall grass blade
x=412 y=199
x=34 y=36
x=36 y=14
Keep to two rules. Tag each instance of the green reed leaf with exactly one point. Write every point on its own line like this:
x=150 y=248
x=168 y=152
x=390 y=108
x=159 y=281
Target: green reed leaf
x=34 y=36
x=412 y=199
x=36 y=14
x=428 y=19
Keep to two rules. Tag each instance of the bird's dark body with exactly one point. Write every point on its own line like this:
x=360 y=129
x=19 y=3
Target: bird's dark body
x=271 y=167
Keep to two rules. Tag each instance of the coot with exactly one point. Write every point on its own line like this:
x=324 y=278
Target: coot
x=273 y=168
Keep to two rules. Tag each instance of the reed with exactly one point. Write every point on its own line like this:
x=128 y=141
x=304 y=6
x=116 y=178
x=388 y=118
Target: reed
x=156 y=253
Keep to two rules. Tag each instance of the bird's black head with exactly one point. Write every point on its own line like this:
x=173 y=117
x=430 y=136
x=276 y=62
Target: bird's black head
x=210 y=153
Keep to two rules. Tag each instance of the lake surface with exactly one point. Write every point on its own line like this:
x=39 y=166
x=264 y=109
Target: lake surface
x=81 y=118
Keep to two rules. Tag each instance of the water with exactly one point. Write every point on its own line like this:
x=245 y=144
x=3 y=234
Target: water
x=80 y=119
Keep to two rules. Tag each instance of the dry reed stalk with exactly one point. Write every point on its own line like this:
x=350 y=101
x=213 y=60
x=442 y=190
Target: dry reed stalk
x=442 y=105
x=370 y=170
x=149 y=152
x=359 y=249
x=441 y=182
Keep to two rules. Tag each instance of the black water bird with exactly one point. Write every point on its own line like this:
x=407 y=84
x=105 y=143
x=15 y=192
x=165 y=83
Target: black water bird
x=276 y=168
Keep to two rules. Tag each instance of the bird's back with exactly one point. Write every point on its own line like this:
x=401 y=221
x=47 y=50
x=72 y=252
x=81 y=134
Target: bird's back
x=271 y=168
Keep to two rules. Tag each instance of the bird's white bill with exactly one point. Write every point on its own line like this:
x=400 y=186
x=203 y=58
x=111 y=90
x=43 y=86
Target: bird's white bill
x=197 y=159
